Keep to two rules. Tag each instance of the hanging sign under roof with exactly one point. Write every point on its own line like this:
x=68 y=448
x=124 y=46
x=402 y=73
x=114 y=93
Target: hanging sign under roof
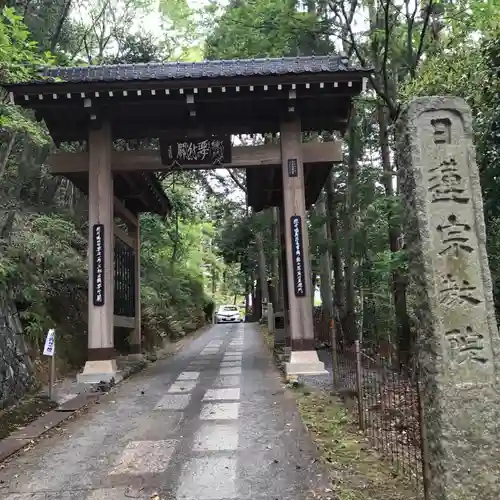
x=196 y=151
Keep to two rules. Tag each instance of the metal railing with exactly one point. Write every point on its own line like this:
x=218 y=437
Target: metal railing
x=386 y=405
x=124 y=282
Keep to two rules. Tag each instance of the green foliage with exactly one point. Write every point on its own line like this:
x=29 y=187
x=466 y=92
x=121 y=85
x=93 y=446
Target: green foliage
x=173 y=295
x=43 y=269
x=20 y=58
x=19 y=54
x=263 y=28
x=17 y=121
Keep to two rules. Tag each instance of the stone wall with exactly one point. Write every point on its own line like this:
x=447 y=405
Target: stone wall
x=16 y=369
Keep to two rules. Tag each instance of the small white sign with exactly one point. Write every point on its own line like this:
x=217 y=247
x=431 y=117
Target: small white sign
x=50 y=343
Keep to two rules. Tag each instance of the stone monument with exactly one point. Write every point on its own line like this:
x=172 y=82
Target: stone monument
x=450 y=289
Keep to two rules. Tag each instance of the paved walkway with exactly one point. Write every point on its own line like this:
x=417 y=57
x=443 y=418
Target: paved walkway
x=213 y=422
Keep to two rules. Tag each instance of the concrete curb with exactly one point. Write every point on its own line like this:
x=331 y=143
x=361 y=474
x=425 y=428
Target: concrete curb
x=33 y=431
x=22 y=437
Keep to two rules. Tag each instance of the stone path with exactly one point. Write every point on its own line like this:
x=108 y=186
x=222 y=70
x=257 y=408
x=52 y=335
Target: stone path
x=213 y=422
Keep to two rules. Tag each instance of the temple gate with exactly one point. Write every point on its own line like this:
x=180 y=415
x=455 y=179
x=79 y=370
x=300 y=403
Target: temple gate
x=192 y=108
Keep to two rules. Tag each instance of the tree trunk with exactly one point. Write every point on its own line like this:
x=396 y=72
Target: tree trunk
x=57 y=33
x=398 y=287
x=325 y=263
x=338 y=275
x=257 y=303
x=350 y=297
x=6 y=153
x=264 y=295
x=369 y=323
x=314 y=282
x=282 y=290
x=214 y=282
x=247 y=294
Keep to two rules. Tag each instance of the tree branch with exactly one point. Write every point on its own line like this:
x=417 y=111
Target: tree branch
x=8 y=150
x=237 y=181
x=422 y=37
x=89 y=29
x=373 y=81
x=60 y=24
x=387 y=33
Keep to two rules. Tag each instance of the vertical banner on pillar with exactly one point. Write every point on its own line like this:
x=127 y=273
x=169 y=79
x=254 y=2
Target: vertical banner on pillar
x=98 y=250
x=299 y=281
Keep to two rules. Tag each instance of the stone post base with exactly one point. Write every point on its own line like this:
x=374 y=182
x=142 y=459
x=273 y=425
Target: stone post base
x=279 y=329
x=279 y=337
x=97 y=371
x=304 y=363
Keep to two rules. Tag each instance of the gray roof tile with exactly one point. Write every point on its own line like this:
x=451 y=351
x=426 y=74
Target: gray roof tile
x=197 y=70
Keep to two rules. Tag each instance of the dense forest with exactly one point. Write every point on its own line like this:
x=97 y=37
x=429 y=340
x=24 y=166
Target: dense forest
x=211 y=246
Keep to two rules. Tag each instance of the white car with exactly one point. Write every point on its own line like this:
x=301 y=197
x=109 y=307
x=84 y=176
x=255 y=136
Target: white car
x=228 y=314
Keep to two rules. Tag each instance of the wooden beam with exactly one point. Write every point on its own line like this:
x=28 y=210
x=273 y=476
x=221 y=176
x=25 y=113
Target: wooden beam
x=242 y=157
x=133 y=186
x=129 y=240
x=122 y=211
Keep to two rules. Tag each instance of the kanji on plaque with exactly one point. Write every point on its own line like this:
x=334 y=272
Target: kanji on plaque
x=466 y=345
x=198 y=151
x=457 y=292
x=446 y=183
x=455 y=237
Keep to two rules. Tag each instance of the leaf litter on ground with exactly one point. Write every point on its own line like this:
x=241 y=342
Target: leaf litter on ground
x=357 y=471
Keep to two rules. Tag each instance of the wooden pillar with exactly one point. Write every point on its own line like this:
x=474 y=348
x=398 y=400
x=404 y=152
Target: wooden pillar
x=294 y=205
x=304 y=358
x=136 y=344
x=101 y=364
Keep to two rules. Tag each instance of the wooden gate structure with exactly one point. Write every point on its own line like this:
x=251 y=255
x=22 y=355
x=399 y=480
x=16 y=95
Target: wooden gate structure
x=193 y=109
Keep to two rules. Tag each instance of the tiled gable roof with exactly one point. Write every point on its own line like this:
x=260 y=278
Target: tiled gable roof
x=199 y=70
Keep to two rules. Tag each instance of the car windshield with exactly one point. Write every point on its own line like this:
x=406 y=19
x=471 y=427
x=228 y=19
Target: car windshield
x=229 y=308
